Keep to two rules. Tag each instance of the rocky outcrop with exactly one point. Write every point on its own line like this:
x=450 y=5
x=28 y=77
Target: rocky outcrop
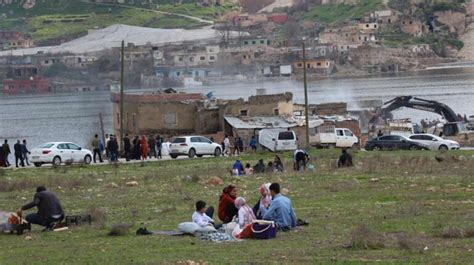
x=467 y=52
x=456 y=21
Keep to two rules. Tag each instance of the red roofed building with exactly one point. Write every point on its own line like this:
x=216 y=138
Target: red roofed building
x=278 y=18
x=34 y=85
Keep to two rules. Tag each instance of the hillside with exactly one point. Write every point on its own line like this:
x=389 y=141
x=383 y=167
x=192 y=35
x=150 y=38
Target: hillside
x=48 y=21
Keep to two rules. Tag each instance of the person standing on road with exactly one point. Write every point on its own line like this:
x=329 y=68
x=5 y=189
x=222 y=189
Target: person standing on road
x=107 y=140
x=136 y=148
x=127 y=148
x=6 y=152
x=112 y=147
x=152 y=146
x=253 y=144
x=96 y=148
x=2 y=158
x=18 y=154
x=240 y=145
x=144 y=147
x=25 y=152
x=159 y=146
x=226 y=145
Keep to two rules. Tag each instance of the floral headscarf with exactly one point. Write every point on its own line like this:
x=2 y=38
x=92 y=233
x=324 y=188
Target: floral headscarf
x=265 y=193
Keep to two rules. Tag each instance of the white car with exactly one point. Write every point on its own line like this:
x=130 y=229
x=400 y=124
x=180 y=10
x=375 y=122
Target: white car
x=194 y=146
x=60 y=152
x=434 y=142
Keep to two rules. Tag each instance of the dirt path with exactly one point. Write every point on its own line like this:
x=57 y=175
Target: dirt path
x=160 y=12
x=276 y=4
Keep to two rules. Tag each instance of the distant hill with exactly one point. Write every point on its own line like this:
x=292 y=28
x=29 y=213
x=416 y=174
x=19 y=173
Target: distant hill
x=52 y=21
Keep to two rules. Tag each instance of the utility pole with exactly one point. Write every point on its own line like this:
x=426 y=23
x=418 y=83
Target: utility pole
x=305 y=94
x=122 y=64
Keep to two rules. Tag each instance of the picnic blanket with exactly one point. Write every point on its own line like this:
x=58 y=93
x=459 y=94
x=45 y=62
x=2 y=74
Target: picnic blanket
x=215 y=237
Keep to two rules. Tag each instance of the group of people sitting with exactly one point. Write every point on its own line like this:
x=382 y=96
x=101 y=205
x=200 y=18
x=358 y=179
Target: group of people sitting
x=271 y=206
x=274 y=166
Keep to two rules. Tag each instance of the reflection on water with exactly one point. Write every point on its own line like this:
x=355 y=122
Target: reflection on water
x=75 y=117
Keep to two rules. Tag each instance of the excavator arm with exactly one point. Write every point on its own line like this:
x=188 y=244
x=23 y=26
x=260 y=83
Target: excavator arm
x=419 y=104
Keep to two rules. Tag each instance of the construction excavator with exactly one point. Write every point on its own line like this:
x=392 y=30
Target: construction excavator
x=453 y=129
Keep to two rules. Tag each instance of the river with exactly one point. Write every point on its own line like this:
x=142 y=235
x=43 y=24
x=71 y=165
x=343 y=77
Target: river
x=75 y=117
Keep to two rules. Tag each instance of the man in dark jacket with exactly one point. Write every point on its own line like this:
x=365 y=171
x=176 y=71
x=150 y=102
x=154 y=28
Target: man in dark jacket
x=25 y=152
x=18 y=154
x=345 y=160
x=6 y=152
x=49 y=212
x=127 y=147
x=112 y=146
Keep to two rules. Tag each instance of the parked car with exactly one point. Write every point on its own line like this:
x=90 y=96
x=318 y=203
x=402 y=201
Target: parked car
x=393 y=142
x=192 y=146
x=57 y=153
x=434 y=142
x=277 y=140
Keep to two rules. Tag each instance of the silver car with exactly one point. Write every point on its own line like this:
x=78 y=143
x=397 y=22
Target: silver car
x=434 y=142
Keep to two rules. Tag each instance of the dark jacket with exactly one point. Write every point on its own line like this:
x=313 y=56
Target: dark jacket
x=6 y=149
x=345 y=160
x=24 y=149
x=18 y=149
x=126 y=145
x=112 y=146
x=47 y=203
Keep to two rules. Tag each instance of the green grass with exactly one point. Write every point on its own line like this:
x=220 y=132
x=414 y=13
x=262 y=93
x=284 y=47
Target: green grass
x=392 y=193
x=338 y=13
x=67 y=18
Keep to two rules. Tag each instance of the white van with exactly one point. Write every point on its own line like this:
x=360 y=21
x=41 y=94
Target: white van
x=278 y=139
x=330 y=136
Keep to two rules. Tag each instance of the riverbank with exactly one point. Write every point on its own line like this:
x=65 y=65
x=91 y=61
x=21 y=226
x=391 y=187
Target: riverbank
x=393 y=207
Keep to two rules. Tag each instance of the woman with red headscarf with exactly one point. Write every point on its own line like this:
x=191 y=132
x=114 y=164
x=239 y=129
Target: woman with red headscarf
x=144 y=147
x=227 y=209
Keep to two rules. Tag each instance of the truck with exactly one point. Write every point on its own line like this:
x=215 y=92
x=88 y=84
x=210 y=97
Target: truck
x=327 y=135
x=277 y=140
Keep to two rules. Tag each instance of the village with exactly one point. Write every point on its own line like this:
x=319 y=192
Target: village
x=242 y=45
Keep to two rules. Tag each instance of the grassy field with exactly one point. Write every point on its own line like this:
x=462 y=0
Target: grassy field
x=393 y=207
x=72 y=18
x=338 y=13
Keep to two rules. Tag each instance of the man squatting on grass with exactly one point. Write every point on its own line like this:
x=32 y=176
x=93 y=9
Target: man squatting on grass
x=49 y=212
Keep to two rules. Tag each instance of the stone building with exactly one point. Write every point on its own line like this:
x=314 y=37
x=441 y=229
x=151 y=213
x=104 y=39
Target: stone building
x=165 y=113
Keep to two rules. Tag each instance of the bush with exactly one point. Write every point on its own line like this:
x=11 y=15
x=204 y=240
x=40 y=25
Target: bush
x=458 y=44
x=364 y=238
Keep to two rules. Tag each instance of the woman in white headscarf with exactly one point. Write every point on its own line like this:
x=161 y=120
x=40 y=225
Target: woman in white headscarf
x=246 y=215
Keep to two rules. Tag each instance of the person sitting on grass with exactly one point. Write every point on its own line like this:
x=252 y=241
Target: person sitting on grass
x=245 y=215
x=270 y=168
x=49 y=212
x=237 y=168
x=261 y=207
x=281 y=210
x=259 y=168
x=345 y=160
x=227 y=209
x=203 y=216
x=278 y=164
x=248 y=170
